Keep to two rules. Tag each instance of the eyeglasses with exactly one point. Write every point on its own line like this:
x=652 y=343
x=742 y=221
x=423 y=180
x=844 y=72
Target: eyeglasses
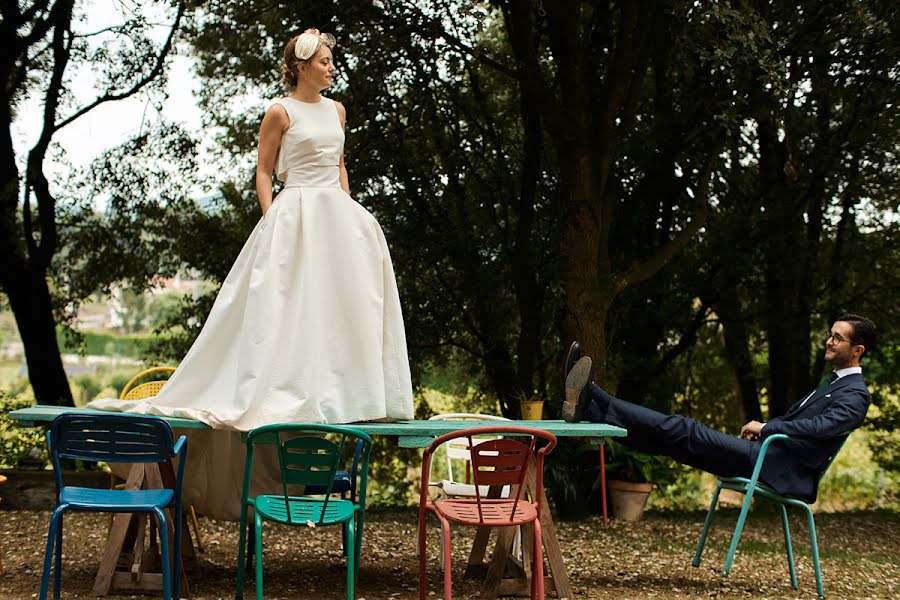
x=838 y=339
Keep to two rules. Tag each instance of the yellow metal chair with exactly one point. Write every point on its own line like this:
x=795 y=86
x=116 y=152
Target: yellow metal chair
x=139 y=391
x=134 y=391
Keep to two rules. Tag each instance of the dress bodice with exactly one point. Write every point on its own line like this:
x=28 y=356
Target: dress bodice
x=311 y=147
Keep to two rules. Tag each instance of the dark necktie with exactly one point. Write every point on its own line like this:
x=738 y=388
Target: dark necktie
x=826 y=381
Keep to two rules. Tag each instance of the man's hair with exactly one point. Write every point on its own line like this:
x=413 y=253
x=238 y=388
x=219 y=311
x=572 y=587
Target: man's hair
x=864 y=330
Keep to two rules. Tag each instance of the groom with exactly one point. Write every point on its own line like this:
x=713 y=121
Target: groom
x=817 y=422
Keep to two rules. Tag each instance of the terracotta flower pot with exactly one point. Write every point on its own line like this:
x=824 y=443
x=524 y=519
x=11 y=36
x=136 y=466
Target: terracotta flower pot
x=628 y=499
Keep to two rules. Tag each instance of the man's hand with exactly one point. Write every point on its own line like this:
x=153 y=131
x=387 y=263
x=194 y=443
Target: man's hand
x=751 y=430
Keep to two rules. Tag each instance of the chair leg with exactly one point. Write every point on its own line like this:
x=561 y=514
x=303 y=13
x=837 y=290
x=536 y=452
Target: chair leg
x=814 y=544
x=351 y=559
x=57 y=572
x=357 y=540
x=706 y=525
x=196 y=529
x=537 y=569
x=788 y=546
x=603 y=485
x=257 y=546
x=423 y=584
x=344 y=527
x=242 y=554
x=176 y=552
x=732 y=550
x=251 y=544
x=52 y=538
x=448 y=561
x=163 y=527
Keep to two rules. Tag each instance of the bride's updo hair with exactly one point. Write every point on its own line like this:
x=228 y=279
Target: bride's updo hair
x=300 y=49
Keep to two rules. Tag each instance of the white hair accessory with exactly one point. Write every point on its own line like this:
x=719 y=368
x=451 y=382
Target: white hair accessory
x=309 y=42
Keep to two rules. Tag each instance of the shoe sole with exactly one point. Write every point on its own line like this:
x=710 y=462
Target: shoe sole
x=576 y=389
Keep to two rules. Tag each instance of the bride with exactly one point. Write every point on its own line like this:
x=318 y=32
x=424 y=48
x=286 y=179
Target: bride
x=307 y=326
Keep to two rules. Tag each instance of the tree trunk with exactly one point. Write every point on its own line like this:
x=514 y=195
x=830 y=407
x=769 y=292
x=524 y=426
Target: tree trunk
x=588 y=286
x=737 y=352
x=787 y=298
x=29 y=298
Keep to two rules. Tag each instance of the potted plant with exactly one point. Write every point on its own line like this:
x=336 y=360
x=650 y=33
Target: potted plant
x=571 y=474
x=531 y=406
x=629 y=477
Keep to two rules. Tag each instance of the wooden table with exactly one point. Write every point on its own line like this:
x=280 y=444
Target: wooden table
x=410 y=434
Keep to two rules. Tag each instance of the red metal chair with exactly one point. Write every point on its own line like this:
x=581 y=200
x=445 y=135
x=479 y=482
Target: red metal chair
x=498 y=463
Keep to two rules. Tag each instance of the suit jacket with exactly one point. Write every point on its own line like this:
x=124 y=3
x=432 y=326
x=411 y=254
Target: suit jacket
x=819 y=426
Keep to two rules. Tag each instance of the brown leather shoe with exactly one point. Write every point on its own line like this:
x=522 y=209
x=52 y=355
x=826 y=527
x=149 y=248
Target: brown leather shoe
x=576 y=389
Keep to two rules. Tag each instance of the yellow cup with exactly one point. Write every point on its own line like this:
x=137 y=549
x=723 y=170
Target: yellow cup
x=532 y=410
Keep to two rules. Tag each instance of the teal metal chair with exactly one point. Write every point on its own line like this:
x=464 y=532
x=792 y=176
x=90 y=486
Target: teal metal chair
x=308 y=459
x=344 y=485
x=115 y=438
x=753 y=488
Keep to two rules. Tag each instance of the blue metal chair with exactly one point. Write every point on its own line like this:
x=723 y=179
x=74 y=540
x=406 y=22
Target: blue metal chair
x=754 y=488
x=305 y=458
x=115 y=438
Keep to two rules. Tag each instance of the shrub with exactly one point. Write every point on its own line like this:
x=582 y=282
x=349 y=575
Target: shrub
x=19 y=442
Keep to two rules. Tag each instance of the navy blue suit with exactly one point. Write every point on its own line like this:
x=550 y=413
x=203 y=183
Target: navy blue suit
x=791 y=468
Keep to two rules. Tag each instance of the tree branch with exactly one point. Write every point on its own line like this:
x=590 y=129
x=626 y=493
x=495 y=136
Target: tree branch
x=517 y=17
x=35 y=178
x=652 y=265
x=153 y=74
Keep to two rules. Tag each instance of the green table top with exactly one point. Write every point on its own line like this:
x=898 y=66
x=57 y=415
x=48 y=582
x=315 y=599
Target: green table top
x=412 y=434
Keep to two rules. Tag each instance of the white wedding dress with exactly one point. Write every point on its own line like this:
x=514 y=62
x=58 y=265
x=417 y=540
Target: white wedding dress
x=306 y=328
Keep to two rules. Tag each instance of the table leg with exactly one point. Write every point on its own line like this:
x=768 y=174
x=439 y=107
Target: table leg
x=156 y=474
x=135 y=576
x=551 y=542
x=555 y=580
x=498 y=563
x=116 y=539
x=603 y=483
x=476 y=567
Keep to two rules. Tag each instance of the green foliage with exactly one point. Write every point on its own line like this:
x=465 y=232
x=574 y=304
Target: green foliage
x=571 y=474
x=855 y=479
x=391 y=470
x=625 y=464
x=17 y=442
x=682 y=490
x=884 y=426
x=95 y=343
x=163 y=309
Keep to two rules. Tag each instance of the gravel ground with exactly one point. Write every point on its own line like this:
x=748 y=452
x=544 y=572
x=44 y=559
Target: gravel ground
x=647 y=559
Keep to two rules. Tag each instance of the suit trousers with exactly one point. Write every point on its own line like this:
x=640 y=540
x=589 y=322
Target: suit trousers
x=677 y=436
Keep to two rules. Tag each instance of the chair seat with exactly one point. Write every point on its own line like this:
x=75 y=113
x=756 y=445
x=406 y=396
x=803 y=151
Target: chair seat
x=106 y=500
x=493 y=512
x=304 y=509
x=453 y=488
x=741 y=484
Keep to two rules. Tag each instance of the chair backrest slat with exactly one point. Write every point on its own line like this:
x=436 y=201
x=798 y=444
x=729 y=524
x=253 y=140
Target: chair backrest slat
x=500 y=462
x=496 y=462
x=307 y=458
x=112 y=438
x=310 y=460
x=458 y=449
